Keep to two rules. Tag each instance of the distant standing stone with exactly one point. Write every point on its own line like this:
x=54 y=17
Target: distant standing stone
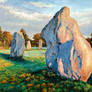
x=28 y=47
x=17 y=46
x=40 y=44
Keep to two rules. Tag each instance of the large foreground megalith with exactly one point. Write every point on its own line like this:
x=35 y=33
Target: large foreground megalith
x=68 y=53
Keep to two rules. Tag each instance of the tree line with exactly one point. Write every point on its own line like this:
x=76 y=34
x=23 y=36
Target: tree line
x=6 y=39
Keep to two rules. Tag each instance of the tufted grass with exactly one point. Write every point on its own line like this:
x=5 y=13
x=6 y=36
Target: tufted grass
x=30 y=75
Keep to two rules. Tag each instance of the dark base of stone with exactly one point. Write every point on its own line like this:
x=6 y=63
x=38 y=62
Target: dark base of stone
x=16 y=58
x=90 y=79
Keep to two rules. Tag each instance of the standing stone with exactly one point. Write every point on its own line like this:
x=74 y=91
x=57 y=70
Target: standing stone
x=40 y=44
x=68 y=53
x=17 y=46
x=28 y=47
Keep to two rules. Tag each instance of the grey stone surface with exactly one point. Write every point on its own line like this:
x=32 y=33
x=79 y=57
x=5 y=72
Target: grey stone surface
x=40 y=44
x=17 y=46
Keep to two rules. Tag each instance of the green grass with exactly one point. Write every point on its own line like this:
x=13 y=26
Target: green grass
x=30 y=75
x=28 y=63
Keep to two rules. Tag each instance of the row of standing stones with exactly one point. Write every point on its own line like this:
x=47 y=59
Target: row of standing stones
x=18 y=45
x=68 y=53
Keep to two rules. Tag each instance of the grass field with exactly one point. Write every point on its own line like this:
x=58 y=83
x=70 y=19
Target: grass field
x=30 y=75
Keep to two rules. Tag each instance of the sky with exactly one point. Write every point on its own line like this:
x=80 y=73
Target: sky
x=33 y=15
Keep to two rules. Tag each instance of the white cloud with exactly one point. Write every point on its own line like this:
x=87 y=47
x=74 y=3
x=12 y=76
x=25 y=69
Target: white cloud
x=41 y=4
x=13 y=19
x=16 y=24
x=83 y=17
x=82 y=13
x=84 y=21
x=25 y=15
x=34 y=16
x=3 y=1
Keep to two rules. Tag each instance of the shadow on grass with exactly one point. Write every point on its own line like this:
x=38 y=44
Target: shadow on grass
x=35 y=65
x=14 y=60
x=27 y=63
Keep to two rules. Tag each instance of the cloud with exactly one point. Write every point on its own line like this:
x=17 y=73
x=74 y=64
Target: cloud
x=84 y=20
x=24 y=24
x=34 y=16
x=26 y=15
x=86 y=29
x=83 y=17
x=41 y=4
x=82 y=13
x=3 y=1
x=13 y=19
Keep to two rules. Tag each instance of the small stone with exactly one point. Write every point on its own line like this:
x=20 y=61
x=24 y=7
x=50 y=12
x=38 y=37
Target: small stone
x=28 y=47
x=40 y=44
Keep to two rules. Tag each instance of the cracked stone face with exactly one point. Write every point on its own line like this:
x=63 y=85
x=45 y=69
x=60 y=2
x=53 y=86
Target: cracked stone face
x=68 y=53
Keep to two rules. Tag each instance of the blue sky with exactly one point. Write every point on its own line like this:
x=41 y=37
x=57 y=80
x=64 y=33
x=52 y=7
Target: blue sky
x=33 y=15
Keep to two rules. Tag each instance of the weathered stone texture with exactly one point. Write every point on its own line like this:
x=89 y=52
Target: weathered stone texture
x=68 y=53
x=17 y=46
